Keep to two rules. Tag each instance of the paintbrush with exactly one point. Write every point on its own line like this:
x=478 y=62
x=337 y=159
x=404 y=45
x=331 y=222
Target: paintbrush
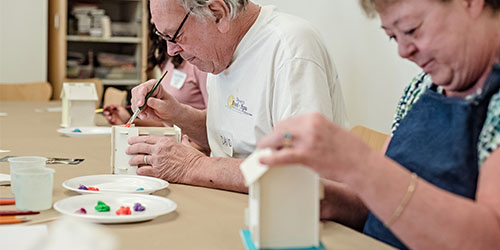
x=139 y=109
x=12 y=220
x=114 y=108
x=16 y=212
x=7 y=201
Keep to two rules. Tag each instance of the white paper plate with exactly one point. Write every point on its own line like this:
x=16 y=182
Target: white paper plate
x=111 y=183
x=86 y=131
x=155 y=206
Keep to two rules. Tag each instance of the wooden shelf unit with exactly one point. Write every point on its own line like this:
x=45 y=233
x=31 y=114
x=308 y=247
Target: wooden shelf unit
x=60 y=42
x=116 y=39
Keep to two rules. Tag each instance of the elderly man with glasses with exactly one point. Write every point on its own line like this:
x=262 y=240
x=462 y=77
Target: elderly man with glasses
x=265 y=67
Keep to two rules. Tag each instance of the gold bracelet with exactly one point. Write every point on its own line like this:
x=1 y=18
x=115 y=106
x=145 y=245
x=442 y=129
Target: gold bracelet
x=404 y=202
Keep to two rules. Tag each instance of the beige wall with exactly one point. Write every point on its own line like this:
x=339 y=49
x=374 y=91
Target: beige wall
x=23 y=41
x=372 y=74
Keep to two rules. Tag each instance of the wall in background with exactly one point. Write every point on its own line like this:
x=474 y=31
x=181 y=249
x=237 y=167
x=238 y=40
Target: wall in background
x=23 y=41
x=372 y=74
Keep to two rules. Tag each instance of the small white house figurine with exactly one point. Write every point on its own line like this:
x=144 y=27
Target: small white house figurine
x=283 y=209
x=78 y=104
x=119 y=144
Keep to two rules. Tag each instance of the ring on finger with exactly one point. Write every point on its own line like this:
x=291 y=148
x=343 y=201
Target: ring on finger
x=287 y=140
x=145 y=159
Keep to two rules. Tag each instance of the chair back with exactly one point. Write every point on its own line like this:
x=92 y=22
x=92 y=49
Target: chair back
x=373 y=138
x=114 y=96
x=36 y=91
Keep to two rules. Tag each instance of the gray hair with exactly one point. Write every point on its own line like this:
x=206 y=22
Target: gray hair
x=199 y=10
x=370 y=6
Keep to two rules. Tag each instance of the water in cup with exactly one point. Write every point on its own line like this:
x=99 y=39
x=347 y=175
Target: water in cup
x=34 y=188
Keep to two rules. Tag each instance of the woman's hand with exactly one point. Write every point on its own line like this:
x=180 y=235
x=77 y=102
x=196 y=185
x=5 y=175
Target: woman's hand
x=115 y=114
x=317 y=143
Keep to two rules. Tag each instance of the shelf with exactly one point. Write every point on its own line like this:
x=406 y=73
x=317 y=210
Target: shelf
x=130 y=82
x=115 y=39
x=63 y=28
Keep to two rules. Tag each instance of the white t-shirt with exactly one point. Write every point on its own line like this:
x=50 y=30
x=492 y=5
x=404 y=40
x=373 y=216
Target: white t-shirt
x=280 y=69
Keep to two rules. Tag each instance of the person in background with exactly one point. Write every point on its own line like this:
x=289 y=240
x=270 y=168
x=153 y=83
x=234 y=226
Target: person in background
x=437 y=185
x=183 y=81
x=265 y=66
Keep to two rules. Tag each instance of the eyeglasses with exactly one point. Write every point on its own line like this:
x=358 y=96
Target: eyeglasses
x=166 y=37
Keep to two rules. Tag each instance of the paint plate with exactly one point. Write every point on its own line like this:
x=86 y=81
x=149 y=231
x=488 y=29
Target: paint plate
x=85 y=131
x=111 y=183
x=155 y=206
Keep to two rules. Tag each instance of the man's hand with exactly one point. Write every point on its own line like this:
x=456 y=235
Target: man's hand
x=161 y=106
x=165 y=158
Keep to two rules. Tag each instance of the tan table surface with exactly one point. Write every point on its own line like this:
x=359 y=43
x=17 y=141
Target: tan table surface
x=204 y=219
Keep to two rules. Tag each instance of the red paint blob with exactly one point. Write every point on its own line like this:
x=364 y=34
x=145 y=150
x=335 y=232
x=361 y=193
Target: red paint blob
x=123 y=211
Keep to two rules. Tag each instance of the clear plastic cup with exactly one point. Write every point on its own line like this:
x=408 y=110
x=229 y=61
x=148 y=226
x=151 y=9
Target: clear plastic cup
x=22 y=162
x=26 y=162
x=34 y=188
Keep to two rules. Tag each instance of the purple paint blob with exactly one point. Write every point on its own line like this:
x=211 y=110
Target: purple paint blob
x=138 y=207
x=83 y=187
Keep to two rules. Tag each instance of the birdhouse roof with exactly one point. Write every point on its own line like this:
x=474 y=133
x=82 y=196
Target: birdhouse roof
x=251 y=168
x=79 y=91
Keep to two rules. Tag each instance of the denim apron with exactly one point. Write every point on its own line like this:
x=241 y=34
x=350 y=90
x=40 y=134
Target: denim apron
x=438 y=140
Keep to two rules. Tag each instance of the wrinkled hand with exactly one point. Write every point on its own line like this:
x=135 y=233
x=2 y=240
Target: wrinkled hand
x=116 y=114
x=161 y=106
x=317 y=143
x=166 y=158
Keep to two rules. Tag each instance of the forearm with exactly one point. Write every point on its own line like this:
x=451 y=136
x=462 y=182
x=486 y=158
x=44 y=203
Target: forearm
x=217 y=172
x=342 y=205
x=447 y=221
x=433 y=218
x=193 y=123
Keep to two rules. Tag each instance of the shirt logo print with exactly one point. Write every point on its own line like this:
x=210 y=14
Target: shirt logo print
x=238 y=105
